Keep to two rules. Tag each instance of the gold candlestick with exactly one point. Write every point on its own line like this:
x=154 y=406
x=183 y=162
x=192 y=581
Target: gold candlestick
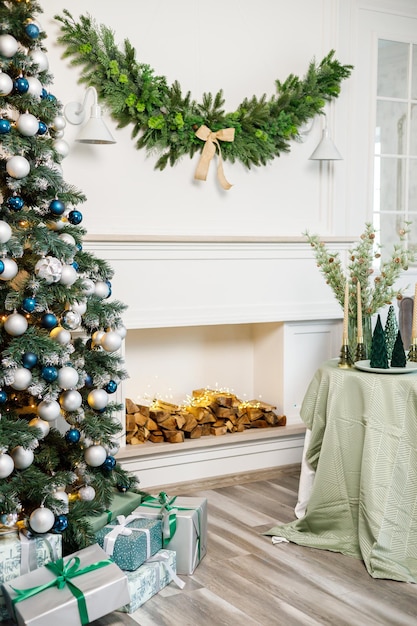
x=360 y=353
x=345 y=360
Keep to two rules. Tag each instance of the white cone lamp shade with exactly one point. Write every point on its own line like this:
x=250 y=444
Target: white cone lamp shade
x=95 y=130
x=326 y=150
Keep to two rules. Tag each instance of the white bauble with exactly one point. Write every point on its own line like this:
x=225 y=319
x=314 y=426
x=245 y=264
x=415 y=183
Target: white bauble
x=88 y=286
x=27 y=125
x=22 y=377
x=41 y=60
x=41 y=520
x=79 y=307
x=49 y=410
x=58 y=134
x=15 y=325
x=101 y=289
x=41 y=425
x=63 y=497
x=6 y=84
x=62 y=147
x=67 y=377
x=17 y=167
x=58 y=224
x=111 y=341
x=22 y=457
x=68 y=275
x=87 y=493
x=35 y=87
x=8 y=46
x=98 y=399
x=6 y=465
x=49 y=268
x=70 y=400
x=69 y=239
x=5 y=232
x=114 y=449
x=95 y=455
x=60 y=335
x=122 y=331
x=10 y=269
x=97 y=336
x=59 y=122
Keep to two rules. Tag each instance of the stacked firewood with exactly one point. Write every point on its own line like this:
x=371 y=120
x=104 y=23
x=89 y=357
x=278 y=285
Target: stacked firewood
x=208 y=413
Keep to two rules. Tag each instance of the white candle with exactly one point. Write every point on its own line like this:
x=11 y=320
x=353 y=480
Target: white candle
x=359 y=313
x=346 y=315
x=414 y=327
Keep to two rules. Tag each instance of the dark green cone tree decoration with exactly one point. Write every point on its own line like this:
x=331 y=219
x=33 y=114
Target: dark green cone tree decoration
x=398 y=358
x=379 y=357
x=391 y=331
x=59 y=331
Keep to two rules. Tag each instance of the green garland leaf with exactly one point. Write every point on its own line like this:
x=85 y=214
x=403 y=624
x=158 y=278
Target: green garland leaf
x=164 y=120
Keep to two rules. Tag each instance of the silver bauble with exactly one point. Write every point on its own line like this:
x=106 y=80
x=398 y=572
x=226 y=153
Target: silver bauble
x=6 y=465
x=10 y=269
x=70 y=320
x=97 y=336
x=101 y=289
x=114 y=449
x=59 y=122
x=6 y=84
x=58 y=134
x=62 y=147
x=9 y=519
x=5 y=232
x=22 y=377
x=17 y=167
x=49 y=268
x=79 y=307
x=70 y=400
x=97 y=399
x=60 y=335
x=69 y=275
x=69 y=239
x=49 y=410
x=35 y=87
x=40 y=58
x=88 y=286
x=41 y=520
x=67 y=377
x=22 y=457
x=87 y=493
x=63 y=497
x=122 y=331
x=95 y=455
x=111 y=341
x=8 y=46
x=41 y=425
x=58 y=224
x=15 y=325
x=27 y=125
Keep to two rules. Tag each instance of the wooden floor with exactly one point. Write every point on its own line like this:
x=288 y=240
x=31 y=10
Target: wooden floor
x=244 y=579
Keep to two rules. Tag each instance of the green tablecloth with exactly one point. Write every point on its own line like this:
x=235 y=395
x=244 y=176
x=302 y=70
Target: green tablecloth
x=364 y=450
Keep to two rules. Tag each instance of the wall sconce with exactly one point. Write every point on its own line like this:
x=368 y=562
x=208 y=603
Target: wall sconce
x=326 y=150
x=95 y=130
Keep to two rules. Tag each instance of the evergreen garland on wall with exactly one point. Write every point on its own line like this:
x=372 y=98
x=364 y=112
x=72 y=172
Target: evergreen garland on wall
x=165 y=120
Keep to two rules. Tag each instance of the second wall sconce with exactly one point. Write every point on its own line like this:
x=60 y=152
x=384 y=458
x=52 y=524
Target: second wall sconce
x=95 y=130
x=326 y=149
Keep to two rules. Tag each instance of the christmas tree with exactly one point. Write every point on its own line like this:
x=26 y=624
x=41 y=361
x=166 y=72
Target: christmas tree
x=379 y=348
x=391 y=331
x=399 y=358
x=60 y=333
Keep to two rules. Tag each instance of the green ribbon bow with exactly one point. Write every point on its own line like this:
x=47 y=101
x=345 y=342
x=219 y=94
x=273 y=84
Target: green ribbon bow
x=64 y=572
x=168 y=512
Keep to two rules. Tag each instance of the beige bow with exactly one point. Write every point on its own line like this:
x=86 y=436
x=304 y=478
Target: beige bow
x=209 y=150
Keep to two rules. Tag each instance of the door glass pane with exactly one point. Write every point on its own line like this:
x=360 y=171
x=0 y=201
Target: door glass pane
x=391 y=175
x=391 y=120
x=412 y=187
x=414 y=75
x=392 y=69
x=413 y=129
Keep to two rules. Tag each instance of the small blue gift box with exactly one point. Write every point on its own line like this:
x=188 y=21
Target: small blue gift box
x=130 y=540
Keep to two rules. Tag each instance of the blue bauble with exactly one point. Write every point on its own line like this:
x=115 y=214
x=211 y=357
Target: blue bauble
x=49 y=373
x=88 y=381
x=42 y=128
x=75 y=217
x=79 y=247
x=15 y=203
x=21 y=85
x=1 y=267
x=29 y=360
x=57 y=207
x=32 y=30
x=109 y=463
x=49 y=321
x=44 y=93
x=3 y=397
x=51 y=97
x=72 y=435
x=61 y=523
x=75 y=265
x=111 y=386
x=29 y=304
x=122 y=487
x=5 y=127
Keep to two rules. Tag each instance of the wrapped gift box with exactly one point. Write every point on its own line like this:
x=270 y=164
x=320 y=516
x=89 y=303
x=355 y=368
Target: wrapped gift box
x=102 y=589
x=150 y=578
x=122 y=504
x=129 y=541
x=20 y=555
x=190 y=538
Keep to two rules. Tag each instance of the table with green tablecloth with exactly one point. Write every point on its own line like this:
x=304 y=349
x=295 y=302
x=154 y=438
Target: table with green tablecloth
x=363 y=448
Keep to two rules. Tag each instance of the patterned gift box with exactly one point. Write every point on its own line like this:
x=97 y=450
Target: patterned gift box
x=184 y=526
x=121 y=504
x=75 y=590
x=150 y=578
x=129 y=541
x=20 y=555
